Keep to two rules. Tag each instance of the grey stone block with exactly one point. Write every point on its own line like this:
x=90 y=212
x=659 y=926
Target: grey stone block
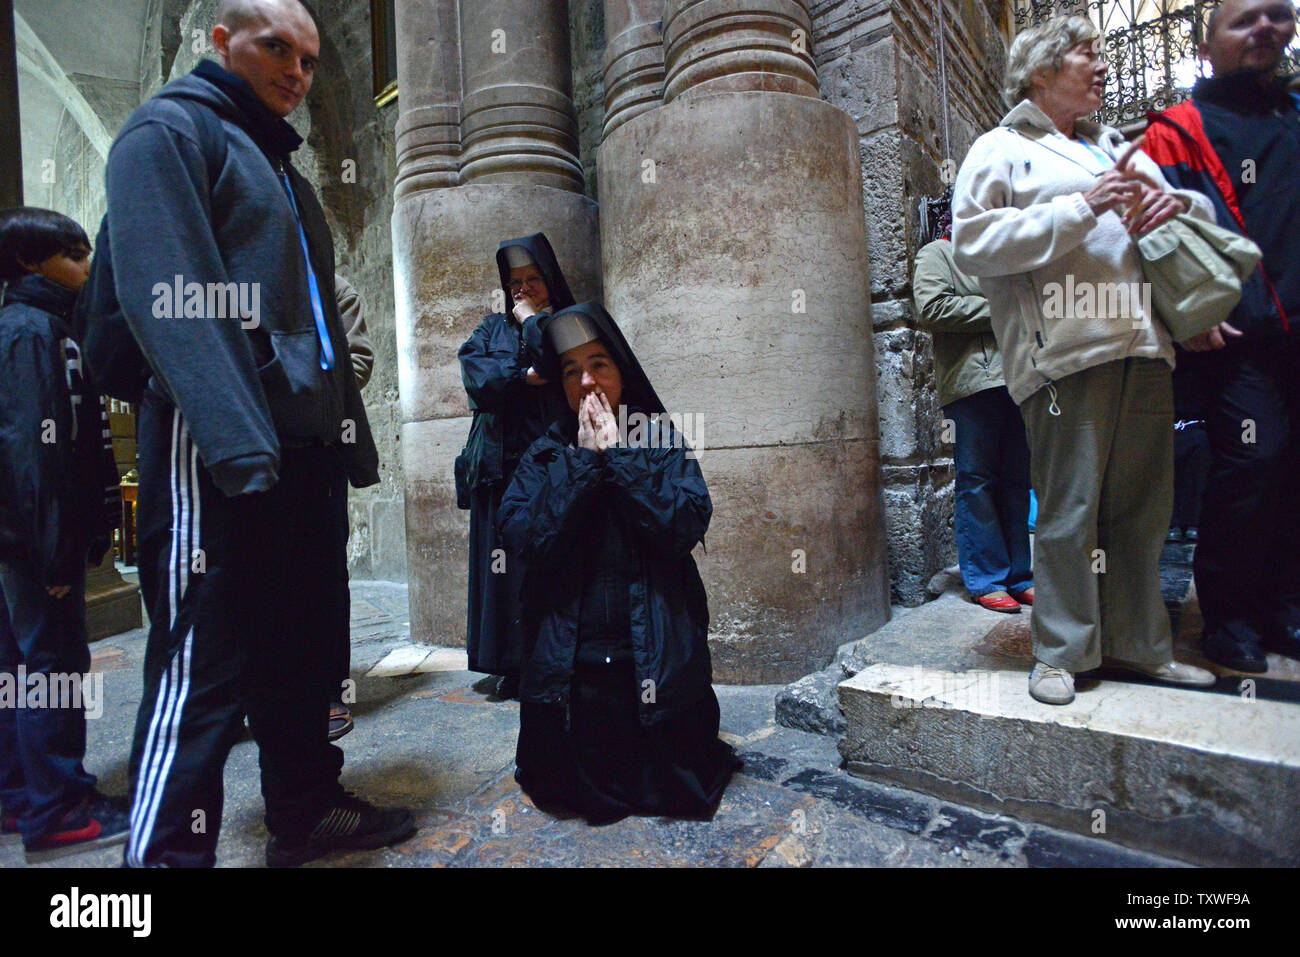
x=812 y=704
x=1210 y=779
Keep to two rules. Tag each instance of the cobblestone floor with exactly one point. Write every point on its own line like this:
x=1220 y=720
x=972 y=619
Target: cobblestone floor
x=428 y=736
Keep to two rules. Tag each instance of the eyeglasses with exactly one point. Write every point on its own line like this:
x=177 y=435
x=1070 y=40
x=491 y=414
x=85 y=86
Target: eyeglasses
x=516 y=285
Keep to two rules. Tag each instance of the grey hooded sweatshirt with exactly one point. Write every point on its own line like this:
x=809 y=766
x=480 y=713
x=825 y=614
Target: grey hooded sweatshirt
x=248 y=383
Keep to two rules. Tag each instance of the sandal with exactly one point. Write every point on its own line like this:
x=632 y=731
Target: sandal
x=340 y=720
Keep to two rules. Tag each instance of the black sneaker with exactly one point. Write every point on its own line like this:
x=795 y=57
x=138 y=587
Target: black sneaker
x=1283 y=639
x=1234 y=648
x=351 y=825
x=100 y=821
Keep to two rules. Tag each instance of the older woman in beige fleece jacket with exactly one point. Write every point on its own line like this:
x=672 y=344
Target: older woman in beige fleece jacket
x=1044 y=213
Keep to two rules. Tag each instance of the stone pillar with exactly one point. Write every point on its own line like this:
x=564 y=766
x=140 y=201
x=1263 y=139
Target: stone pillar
x=11 y=150
x=736 y=260
x=428 y=70
x=634 y=59
x=515 y=172
x=518 y=124
x=715 y=46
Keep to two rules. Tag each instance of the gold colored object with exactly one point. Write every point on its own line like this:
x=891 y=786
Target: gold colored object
x=386 y=95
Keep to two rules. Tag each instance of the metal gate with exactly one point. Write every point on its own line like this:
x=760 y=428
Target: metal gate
x=1150 y=48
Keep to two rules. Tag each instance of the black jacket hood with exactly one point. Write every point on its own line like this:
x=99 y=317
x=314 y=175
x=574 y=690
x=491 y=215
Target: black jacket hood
x=40 y=293
x=539 y=248
x=638 y=393
x=231 y=98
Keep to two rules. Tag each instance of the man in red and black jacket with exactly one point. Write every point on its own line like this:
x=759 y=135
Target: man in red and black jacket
x=1238 y=141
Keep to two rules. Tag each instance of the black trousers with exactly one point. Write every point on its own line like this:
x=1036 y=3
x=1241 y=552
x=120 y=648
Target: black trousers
x=1191 y=466
x=1247 y=564
x=242 y=595
x=340 y=623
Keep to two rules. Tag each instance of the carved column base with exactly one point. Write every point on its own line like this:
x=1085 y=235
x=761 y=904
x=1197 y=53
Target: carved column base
x=112 y=603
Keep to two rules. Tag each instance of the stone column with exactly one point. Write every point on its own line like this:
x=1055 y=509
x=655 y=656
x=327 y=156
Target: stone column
x=518 y=124
x=428 y=70
x=735 y=258
x=634 y=59
x=11 y=150
x=515 y=172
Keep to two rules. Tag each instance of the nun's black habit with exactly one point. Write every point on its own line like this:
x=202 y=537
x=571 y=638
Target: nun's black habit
x=508 y=415
x=617 y=710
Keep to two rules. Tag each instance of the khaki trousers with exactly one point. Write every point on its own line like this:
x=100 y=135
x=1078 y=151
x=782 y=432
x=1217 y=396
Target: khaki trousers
x=1103 y=472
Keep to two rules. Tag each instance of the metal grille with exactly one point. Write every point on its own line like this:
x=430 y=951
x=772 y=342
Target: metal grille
x=1150 y=48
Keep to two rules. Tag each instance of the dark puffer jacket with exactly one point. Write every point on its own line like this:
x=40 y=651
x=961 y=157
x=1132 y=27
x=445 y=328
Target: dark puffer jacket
x=59 y=497
x=1207 y=143
x=554 y=514
x=508 y=413
x=559 y=514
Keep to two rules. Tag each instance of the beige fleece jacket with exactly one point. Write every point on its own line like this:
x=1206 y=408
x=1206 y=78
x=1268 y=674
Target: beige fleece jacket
x=360 y=350
x=1065 y=287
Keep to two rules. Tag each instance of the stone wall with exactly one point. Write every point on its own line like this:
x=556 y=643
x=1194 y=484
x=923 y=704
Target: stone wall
x=354 y=144
x=878 y=61
x=78 y=190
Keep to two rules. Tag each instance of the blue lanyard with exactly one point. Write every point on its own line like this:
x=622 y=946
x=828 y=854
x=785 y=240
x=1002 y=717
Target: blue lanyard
x=327 y=350
x=1098 y=152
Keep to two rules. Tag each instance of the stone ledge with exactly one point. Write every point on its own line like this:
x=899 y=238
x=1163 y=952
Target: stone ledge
x=1207 y=778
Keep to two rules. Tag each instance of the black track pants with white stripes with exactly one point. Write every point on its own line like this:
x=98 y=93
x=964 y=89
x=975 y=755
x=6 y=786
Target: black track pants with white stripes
x=241 y=596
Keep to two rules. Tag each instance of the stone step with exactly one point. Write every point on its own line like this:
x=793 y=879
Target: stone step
x=949 y=633
x=1203 y=777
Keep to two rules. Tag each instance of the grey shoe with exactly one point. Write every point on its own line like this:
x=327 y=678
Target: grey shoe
x=1173 y=672
x=1051 y=685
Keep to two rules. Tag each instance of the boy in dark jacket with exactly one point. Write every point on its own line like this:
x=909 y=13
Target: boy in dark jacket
x=59 y=503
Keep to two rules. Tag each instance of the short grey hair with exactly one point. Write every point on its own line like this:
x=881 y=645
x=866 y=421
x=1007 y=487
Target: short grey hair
x=237 y=15
x=1042 y=47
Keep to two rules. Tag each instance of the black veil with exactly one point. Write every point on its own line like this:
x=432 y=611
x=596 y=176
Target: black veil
x=638 y=393
x=539 y=249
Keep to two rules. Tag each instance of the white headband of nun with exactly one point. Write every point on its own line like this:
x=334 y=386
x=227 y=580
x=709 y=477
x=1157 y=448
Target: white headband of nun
x=517 y=256
x=570 y=331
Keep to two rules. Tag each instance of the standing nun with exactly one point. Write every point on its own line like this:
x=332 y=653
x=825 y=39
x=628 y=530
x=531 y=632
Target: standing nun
x=511 y=408
x=617 y=710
